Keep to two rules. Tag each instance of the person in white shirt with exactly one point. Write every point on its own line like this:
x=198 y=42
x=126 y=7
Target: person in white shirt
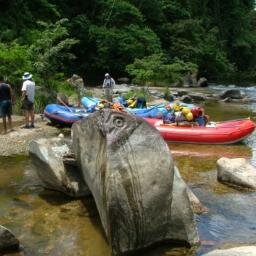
x=28 y=98
x=108 y=85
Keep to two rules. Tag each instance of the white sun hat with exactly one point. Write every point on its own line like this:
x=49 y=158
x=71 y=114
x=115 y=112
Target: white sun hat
x=26 y=76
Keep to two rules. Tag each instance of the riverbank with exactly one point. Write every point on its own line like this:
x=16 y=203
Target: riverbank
x=17 y=141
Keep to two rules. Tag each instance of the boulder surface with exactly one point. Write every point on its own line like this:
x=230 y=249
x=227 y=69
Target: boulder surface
x=236 y=171
x=56 y=168
x=130 y=172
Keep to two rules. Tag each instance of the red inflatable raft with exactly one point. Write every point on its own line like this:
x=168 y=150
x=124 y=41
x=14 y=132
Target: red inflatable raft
x=226 y=132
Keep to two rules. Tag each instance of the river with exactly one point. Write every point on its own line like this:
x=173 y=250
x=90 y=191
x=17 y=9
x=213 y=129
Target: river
x=48 y=223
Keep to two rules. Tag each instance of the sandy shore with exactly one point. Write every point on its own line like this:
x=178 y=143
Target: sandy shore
x=17 y=141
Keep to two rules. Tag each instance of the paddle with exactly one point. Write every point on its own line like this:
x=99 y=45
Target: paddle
x=62 y=102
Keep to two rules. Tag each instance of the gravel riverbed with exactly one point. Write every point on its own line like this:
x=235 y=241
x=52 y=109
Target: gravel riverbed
x=17 y=141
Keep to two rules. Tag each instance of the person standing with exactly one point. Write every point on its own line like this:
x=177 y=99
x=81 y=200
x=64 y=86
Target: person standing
x=108 y=85
x=28 y=97
x=5 y=104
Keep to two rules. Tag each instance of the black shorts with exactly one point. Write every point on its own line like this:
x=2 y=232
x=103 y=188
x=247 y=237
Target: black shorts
x=5 y=108
x=27 y=105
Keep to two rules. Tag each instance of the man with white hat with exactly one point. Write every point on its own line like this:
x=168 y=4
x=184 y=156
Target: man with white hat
x=28 y=98
x=108 y=85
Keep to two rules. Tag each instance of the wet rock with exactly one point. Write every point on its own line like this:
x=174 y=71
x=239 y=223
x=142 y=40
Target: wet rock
x=195 y=202
x=182 y=212
x=129 y=170
x=243 y=250
x=197 y=96
x=186 y=99
x=56 y=167
x=232 y=93
x=182 y=93
x=7 y=240
x=236 y=171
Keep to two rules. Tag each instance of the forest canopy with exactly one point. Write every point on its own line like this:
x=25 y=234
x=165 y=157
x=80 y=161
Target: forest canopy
x=156 y=40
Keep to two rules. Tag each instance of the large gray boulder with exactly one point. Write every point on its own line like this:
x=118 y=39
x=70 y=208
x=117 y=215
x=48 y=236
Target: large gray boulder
x=7 y=240
x=236 y=171
x=130 y=172
x=237 y=251
x=56 y=167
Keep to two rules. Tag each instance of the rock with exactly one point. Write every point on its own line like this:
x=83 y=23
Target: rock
x=196 y=204
x=121 y=89
x=182 y=93
x=182 y=218
x=189 y=80
x=236 y=172
x=202 y=82
x=197 y=96
x=232 y=93
x=186 y=99
x=7 y=240
x=133 y=195
x=76 y=81
x=226 y=99
x=237 y=251
x=123 y=80
x=56 y=168
x=157 y=94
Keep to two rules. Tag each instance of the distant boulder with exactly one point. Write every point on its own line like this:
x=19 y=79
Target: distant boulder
x=232 y=93
x=123 y=80
x=202 y=82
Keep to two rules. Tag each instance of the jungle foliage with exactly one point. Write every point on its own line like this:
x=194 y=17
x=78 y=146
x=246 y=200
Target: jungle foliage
x=149 y=40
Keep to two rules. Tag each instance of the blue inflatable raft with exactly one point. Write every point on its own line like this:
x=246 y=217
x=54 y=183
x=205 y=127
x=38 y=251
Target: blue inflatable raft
x=64 y=115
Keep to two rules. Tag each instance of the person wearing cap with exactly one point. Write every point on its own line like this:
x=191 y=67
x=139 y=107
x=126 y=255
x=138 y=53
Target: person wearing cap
x=5 y=104
x=108 y=85
x=28 y=97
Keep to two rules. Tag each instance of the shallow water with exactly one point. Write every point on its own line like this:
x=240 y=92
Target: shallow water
x=48 y=223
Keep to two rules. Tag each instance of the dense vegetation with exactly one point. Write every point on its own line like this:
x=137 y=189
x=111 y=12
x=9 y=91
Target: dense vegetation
x=149 y=40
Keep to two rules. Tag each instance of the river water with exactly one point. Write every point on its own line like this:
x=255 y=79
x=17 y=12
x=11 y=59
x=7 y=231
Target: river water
x=48 y=223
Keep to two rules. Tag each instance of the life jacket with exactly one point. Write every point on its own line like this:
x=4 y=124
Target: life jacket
x=197 y=111
x=131 y=103
x=117 y=106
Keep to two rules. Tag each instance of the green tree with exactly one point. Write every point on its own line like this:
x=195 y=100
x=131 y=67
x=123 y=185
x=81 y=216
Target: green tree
x=13 y=61
x=155 y=69
x=51 y=50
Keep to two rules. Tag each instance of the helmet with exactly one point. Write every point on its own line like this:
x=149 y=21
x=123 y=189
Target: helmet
x=100 y=105
x=189 y=116
x=176 y=107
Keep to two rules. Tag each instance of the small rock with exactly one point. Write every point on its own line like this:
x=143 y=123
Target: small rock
x=7 y=240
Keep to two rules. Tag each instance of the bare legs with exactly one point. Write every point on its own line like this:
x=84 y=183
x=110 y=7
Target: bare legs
x=5 y=124
x=32 y=117
x=29 y=116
